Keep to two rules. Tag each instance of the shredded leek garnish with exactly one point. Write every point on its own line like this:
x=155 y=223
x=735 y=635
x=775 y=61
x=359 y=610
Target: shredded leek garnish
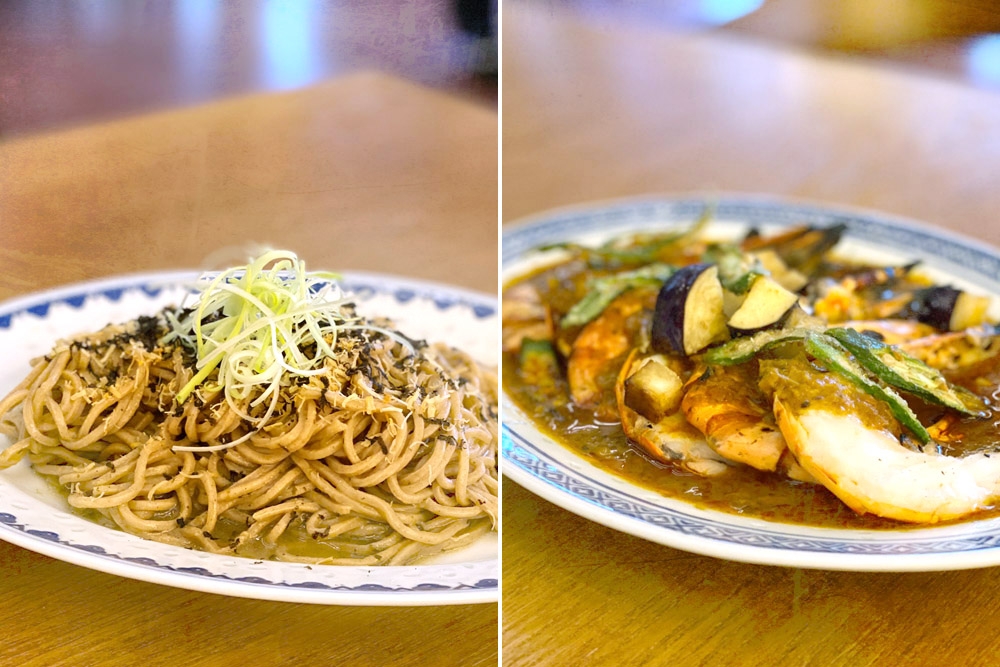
x=259 y=326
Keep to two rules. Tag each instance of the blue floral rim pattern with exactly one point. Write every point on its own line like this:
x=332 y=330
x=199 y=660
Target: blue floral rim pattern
x=536 y=461
x=442 y=298
x=874 y=229
x=10 y=521
x=526 y=456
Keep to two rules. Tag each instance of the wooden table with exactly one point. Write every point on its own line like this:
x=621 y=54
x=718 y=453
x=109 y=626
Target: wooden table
x=601 y=111
x=365 y=173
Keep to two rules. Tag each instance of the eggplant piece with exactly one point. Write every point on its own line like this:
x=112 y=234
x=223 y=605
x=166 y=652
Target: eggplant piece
x=731 y=302
x=766 y=306
x=946 y=308
x=969 y=311
x=654 y=391
x=689 y=313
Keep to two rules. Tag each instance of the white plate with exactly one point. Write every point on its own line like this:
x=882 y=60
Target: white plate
x=559 y=475
x=35 y=516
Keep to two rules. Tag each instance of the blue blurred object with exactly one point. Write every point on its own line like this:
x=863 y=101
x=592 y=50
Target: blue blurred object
x=984 y=60
x=718 y=12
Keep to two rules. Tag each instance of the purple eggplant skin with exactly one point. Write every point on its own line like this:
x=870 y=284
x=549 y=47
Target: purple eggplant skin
x=667 y=333
x=933 y=306
x=668 y=328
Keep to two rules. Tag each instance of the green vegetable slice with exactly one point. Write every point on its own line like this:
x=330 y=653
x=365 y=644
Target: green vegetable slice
x=537 y=361
x=640 y=249
x=828 y=351
x=602 y=291
x=739 y=350
x=737 y=269
x=897 y=368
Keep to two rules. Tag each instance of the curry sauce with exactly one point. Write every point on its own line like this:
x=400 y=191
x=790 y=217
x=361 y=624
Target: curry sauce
x=593 y=430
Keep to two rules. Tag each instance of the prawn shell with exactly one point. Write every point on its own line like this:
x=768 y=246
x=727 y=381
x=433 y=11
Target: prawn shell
x=721 y=405
x=601 y=344
x=672 y=440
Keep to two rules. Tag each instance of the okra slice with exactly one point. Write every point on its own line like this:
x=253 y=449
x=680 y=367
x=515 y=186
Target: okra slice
x=895 y=367
x=829 y=352
x=746 y=348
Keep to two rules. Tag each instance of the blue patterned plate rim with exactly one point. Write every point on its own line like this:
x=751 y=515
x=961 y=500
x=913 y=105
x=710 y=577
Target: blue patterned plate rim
x=452 y=582
x=353 y=281
x=553 y=472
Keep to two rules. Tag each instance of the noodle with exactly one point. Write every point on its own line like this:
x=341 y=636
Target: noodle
x=387 y=456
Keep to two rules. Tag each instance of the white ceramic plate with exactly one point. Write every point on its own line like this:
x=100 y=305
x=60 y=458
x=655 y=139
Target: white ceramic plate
x=35 y=516
x=559 y=475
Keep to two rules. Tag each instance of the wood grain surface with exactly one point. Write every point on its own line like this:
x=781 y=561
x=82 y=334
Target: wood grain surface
x=365 y=173
x=593 y=111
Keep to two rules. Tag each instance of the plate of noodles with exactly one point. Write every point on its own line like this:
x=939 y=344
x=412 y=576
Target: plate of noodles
x=261 y=432
x=650 y=468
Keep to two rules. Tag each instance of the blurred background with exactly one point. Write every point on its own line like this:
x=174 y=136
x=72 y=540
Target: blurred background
x=955 y=39
x=72 y=62
x=68 y=62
